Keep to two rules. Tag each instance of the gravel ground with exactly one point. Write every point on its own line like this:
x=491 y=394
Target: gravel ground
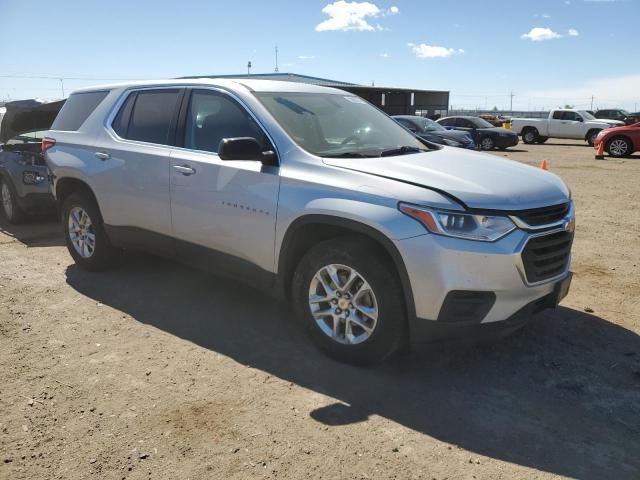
x=153 y=370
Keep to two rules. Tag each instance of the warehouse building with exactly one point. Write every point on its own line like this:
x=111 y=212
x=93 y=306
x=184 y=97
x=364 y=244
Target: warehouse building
x=394 y=101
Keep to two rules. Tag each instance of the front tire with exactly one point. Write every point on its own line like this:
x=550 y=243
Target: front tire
x=10 y=207
x=486 y=143
x=84 y=233
x=349 y=299
x=619 y=147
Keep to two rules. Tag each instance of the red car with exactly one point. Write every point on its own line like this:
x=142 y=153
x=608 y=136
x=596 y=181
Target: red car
x=619 y=141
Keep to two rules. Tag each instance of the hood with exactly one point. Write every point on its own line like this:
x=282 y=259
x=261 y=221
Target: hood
x=27 y=116
x=614 y=123
x=477 y=180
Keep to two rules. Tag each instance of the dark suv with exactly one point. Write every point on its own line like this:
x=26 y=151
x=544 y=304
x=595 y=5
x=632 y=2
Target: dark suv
x=618 y=114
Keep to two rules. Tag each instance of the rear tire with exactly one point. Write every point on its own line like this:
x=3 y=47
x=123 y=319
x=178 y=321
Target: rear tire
x=530 y=135
x=619 y=147
x=9 y=198
x=84 y=233
x=362 y=321
x=591 y=137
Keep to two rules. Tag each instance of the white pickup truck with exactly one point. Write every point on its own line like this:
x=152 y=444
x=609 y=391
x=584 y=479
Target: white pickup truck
x=562 y=123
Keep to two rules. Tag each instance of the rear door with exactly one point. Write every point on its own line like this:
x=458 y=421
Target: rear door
x=556 y=123
x=135 y=153
x=223 y=212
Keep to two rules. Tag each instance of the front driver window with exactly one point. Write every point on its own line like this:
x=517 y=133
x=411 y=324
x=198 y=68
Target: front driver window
x=213 y=116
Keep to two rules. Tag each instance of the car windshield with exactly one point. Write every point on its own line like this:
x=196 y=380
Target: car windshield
x=333 y=125
x=624 y=112
x=586 y=115
x=481 y=123
x=431 y=126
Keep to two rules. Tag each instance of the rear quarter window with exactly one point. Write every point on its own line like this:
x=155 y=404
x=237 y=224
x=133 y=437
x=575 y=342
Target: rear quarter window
x=148 y=116
x=77 y=109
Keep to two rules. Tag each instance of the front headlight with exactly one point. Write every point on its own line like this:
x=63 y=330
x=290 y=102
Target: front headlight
x=483 y=228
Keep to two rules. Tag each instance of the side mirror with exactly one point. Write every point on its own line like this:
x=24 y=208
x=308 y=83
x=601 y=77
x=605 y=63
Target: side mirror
x=244 y=148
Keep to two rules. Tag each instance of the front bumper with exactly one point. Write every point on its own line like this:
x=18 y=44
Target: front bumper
x=438 y=266
x=506 y=141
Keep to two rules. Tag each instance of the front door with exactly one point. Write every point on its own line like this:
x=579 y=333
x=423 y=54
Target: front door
x=223 y=212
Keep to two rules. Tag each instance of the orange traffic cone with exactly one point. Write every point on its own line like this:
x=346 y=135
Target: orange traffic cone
x=599 y=151
x=543 y=165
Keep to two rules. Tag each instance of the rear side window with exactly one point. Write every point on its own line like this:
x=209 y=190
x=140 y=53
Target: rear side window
x=151 y=118
x=558 y=114
x=77 y=109
x=447 y=122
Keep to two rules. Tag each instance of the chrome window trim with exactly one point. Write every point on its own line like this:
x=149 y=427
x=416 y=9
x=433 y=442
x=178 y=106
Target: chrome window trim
x=108 y=123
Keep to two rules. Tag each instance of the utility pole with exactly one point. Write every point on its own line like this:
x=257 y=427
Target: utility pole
x=249 y=68
x=511 y=103
x=591 y=103
x=276 y=69
x=62 y=86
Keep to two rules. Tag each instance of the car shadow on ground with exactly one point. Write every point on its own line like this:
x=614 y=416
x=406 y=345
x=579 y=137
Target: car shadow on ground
x=560 y=396
x=36 y=231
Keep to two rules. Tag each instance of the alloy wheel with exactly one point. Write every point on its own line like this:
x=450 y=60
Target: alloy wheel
x=7 y=201
x=529 y=137
x=618 y=148
x=487 y=143
x=81 y=232
x=343 y=304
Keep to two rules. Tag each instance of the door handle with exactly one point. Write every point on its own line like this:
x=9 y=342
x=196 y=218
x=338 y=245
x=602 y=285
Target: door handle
x=103 y=155
x=184 y=169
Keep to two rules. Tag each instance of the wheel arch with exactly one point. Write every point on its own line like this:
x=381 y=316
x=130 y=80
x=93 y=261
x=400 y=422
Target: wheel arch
x=310 y=229
x=68 y=185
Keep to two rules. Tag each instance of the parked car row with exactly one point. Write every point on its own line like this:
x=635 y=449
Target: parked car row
x=485 y=135
x=434 y=132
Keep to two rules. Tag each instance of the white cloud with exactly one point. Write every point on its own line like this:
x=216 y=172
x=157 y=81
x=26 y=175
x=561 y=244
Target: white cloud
x=306 y=57
x=431 y=51
x=539 y=34
x=573 y=32
x=347 y=16
x=543 y=15
x=385 y=55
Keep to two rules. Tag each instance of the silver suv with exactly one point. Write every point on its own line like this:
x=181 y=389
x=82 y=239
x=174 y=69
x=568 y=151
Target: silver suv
x=375 y=237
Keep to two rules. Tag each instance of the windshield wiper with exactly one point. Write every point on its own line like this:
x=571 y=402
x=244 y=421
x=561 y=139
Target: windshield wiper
x=348 y=155
x=401 y=151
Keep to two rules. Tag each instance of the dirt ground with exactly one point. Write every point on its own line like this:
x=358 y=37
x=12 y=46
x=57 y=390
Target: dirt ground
x=155 y=371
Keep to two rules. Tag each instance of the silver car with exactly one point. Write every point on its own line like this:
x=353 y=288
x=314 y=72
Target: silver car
x=375 y=238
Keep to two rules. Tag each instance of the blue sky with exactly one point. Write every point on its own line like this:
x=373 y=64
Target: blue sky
x=548 y=52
